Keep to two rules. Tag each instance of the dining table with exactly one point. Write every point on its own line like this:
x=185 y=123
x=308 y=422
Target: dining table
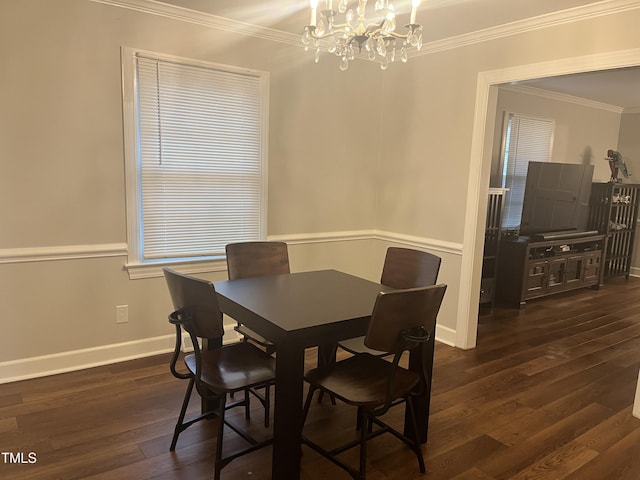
x=300 y=310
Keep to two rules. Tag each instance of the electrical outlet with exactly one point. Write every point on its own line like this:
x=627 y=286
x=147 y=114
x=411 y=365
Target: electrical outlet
x=122 y=313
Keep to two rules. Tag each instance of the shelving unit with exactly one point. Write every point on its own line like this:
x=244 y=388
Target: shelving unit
x=493 y=232
x=614 y=213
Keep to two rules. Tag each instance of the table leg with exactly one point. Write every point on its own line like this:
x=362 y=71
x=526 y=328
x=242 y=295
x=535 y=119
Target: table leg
x=422 y=403
x=287 y=425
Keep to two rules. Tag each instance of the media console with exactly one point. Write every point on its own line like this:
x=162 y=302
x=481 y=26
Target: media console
x=530 y=268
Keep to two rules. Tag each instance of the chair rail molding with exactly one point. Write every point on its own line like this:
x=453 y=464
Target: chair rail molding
x=74 y=252
x=64 y=252
x=323 y=237
x=452 y=248
x=443 y=246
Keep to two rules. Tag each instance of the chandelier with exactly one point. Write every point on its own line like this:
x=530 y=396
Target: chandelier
x=377 y=38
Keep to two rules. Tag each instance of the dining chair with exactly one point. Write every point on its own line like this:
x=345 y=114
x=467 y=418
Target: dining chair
x=256 y=259
x=401 y=320
x=402 y=268
x=215 y=370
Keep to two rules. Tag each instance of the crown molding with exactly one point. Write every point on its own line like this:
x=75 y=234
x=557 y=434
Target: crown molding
x=154 y=7
x=585 y=12
x=563 y=97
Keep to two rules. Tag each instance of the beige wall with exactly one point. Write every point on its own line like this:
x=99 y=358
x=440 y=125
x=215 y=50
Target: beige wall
x=582 y=134
x=62 y=182
x=629 y=144
x=358 y=160
x=629 y=147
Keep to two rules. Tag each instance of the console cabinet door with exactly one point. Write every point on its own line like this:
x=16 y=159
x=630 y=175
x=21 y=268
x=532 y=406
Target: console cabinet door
x=536 y=278
x=574 y=273
x=557 y=273
x=591 y=272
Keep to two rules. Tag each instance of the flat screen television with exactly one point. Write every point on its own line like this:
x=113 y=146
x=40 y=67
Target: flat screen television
x=556 y=198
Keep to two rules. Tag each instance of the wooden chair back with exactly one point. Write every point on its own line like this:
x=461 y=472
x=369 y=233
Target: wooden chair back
x=197 y=299
x=403 y=311
x=257 y=259
x=408 y=268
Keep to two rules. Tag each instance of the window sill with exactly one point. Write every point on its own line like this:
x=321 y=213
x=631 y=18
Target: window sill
x=151 y=270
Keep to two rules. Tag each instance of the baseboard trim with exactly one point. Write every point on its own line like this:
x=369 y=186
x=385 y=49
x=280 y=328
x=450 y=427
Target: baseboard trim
x=446 y=335
x=63 y=362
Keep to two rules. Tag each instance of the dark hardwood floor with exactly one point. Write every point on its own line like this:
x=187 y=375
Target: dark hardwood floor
x=547 y=394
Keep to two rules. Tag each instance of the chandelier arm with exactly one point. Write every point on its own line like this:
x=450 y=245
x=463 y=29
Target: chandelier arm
x=375 y=30
x=332 y=33
x=397 y=35
x=403 y=36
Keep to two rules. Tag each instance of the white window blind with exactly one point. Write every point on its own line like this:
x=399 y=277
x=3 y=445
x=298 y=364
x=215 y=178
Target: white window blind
x=200 y=158
x=526 y=139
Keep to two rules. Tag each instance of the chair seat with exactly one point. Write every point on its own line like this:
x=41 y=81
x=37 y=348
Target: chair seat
x=356 y=345
x=256 y=337
x=362 y=380
x=234 y=367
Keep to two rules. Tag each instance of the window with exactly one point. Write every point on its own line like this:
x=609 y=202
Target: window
x=195 y=136
x=526 y=139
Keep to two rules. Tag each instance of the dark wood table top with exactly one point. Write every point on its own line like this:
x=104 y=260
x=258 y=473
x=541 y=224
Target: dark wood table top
x=301 y=305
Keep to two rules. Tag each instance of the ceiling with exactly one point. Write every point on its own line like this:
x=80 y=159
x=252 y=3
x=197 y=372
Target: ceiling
x=440 y=18
x=619 y=87
x=445 y=19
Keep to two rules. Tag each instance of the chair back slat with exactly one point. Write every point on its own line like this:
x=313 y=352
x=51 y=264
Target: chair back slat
x=401 y=310
x=408 y=268
x=257 y=259
x=196 y=298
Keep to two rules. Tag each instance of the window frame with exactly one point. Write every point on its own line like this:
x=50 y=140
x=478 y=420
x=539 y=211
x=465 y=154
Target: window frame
x=136 y=266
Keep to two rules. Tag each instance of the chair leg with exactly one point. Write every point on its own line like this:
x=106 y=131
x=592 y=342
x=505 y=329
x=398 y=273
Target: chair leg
x=307 y=403
x=267 y=404
x=183 y=411
x=365 y=425
x=247 y=413
x=331 y=397
x=218 y=460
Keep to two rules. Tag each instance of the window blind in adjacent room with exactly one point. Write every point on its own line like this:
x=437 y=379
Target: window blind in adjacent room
x=526 y=139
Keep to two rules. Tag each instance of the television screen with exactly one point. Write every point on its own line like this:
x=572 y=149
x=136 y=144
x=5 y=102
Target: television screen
x=556 y=197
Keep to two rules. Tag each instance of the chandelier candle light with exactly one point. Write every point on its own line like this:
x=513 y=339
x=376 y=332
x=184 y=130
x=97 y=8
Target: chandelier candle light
x=378 y=37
